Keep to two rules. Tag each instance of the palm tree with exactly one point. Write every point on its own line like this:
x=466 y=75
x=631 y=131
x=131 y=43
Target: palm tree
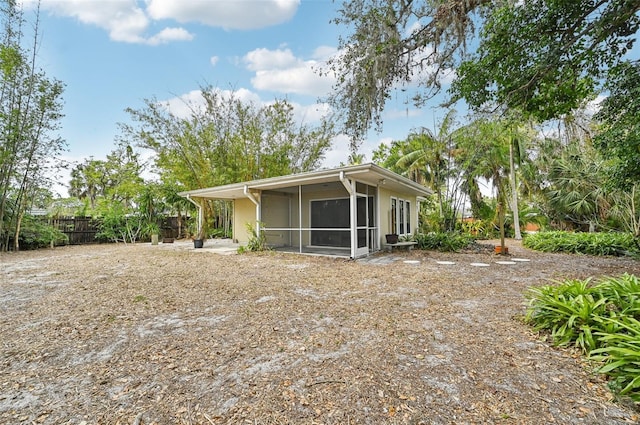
x=518 y=134
x=577 y=190
x=483 y=152
x=426 y=157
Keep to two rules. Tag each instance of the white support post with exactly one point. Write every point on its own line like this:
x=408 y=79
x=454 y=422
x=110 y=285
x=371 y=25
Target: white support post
x=300 y=219
x=350 y=185
x=256 y=201
x=200 y=214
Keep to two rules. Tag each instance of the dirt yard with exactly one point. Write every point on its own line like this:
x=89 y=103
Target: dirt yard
x=116 y=334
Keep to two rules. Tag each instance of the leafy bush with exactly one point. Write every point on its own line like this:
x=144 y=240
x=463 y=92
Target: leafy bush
x=481 y=229
x=569 y=311
x=257 y=240
x=116 y=225
x=621 y=355
x=583 y=243
x=601 y=319
x=36 y=233
x=448 y=241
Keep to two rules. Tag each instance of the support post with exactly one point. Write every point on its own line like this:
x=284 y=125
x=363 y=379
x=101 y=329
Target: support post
x=200 y=215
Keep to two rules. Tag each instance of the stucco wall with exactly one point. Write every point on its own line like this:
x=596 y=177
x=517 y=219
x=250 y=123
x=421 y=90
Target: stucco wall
x=385 y=211
x=384 y=200
x=277 y=213
x=244 y=211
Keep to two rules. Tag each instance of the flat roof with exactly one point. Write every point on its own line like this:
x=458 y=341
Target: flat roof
x=370 y=174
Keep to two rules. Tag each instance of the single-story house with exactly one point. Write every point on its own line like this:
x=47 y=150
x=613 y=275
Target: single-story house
x=344 y=211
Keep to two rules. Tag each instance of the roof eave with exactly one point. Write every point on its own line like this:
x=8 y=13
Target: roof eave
x=230 y=191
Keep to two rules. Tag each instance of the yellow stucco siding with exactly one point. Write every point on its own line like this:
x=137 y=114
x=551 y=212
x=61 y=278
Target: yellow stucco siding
x=385 y=211
x=276 y=213
x=244 y=211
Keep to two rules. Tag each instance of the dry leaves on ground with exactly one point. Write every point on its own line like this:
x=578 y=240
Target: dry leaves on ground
x=164 y=334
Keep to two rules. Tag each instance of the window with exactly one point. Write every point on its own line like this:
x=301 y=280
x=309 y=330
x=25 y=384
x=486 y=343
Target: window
x=400 y=216
x=407 y=211
x=394 y=215
x=328 y=217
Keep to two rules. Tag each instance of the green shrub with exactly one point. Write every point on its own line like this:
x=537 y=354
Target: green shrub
x=582 y=243
x=448 y=241
x=569 y=311
x=621 y=357
x=116 y=225
x=257 y=240
x=602 y=319
x=36 y=233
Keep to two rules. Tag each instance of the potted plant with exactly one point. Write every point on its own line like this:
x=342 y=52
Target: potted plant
x=153 y=230
x=392 y=238
x=503 y=250
x=198 y=238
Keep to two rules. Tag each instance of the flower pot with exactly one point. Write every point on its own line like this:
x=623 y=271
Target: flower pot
x=154 y=239
x=500 y=251
x=198 y=243
x=392 y=238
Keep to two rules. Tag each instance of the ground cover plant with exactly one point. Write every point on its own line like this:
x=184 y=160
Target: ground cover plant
x=601 y=318
x=443 y=241
x=601 y=243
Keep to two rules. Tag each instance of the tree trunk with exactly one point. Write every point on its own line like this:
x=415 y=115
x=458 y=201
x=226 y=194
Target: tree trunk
x=501 y=215
x=16 y=236
x=514 y=194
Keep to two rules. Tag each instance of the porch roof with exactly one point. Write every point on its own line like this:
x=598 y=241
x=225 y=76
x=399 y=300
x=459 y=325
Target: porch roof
x=370 y=174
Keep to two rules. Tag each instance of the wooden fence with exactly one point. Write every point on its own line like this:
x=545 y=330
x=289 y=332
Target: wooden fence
x=83 y=230
x=80 y=230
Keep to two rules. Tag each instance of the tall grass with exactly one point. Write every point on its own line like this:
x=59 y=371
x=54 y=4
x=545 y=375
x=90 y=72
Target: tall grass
x=601 y=318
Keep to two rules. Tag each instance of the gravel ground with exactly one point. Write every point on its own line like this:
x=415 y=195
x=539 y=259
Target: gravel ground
x=141 y=334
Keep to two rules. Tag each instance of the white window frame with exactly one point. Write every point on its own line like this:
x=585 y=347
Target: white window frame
x=402 y=225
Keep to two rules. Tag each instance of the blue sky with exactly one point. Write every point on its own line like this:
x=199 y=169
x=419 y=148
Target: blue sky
x=112 y=54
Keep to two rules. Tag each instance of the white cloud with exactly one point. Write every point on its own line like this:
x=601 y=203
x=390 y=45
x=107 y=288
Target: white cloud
x=311 y=113
x=323 y=53
x=280 y=71
x=261 y=59
x=168 y=35
x=129 y=20
x=594 y=106
x=408 y=112
x=228 y=14
x=214 y=60
x=340 y=150
x=123 y=19
x=181 y=106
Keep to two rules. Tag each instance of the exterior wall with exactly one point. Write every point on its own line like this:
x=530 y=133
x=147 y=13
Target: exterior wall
x=384 y=200
x=244 y=211
x=276 y=213
x=385 y=211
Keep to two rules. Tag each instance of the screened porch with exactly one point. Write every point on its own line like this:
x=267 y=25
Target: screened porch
x=316 y=219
